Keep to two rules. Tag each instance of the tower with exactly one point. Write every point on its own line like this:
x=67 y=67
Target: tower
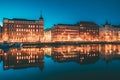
x=41 y=31
x=41 y=20
x=107 y=25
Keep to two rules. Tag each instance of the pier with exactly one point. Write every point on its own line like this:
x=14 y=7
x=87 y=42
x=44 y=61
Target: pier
x=67 y=43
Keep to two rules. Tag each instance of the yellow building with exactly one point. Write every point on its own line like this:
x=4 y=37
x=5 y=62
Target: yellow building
x=47 y=35
x=65 y=32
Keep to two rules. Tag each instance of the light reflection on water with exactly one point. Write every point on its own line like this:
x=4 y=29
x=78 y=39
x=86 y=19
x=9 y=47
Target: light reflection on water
x=65 y=62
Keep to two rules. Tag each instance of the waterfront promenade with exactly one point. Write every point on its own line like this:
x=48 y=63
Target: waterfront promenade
x=70 y=43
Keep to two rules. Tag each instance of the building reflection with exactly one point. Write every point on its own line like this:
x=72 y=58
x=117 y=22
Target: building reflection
x=110 y=52
x=47 y=51
x=1 y=54
x=86 y=54
x=81 y=54
x=24 y=58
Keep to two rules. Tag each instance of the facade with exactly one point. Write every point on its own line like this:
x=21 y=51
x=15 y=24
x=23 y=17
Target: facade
x=109 y=32
x=83 y=31
x=0 y=33
x=65 y=32
x=89 y=31
x=47 y=35
x=23 y=30
x=117 y=32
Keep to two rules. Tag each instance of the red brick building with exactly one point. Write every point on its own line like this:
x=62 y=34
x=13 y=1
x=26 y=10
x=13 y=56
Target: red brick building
x=23 y=30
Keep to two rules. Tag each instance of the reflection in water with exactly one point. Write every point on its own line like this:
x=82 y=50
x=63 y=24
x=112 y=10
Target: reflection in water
x=1 y=55
x=23 y=58
x=82 y=54
x=85 y=54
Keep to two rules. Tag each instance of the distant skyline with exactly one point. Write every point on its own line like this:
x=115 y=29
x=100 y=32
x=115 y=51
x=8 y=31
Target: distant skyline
x=62 y=11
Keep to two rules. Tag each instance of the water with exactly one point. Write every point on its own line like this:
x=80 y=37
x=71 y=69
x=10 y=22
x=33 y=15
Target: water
x=67 y=62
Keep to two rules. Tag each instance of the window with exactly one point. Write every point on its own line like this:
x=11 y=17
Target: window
x=33 y=26
x=36 y=26
x=29 y=26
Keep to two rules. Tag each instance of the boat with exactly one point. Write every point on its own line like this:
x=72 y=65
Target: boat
x=18 y=45
x=6 y=44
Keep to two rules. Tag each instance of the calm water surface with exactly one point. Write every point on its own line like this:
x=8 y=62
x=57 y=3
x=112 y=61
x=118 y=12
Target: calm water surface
x=67 y=62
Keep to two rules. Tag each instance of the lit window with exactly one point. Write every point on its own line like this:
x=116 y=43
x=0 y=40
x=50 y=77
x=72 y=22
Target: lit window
x=29 y=26
x=33 y=26
x=36 y=26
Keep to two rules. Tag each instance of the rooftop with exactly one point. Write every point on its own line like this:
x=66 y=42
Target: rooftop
x=48 y=29
x=18 y=19
x=21 y=19
x=88 y=23
x=65 y=25
x=116 y=26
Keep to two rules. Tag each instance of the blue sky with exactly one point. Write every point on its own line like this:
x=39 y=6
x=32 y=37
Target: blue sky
x=62 y=11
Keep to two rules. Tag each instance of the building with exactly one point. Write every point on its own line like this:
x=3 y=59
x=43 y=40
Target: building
x=109 y=32
x=0 y=33
x=47 y=35
x=116 y=33
x=23 y=30
x=89 y=31
x=83 y=31
x=65 y=32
